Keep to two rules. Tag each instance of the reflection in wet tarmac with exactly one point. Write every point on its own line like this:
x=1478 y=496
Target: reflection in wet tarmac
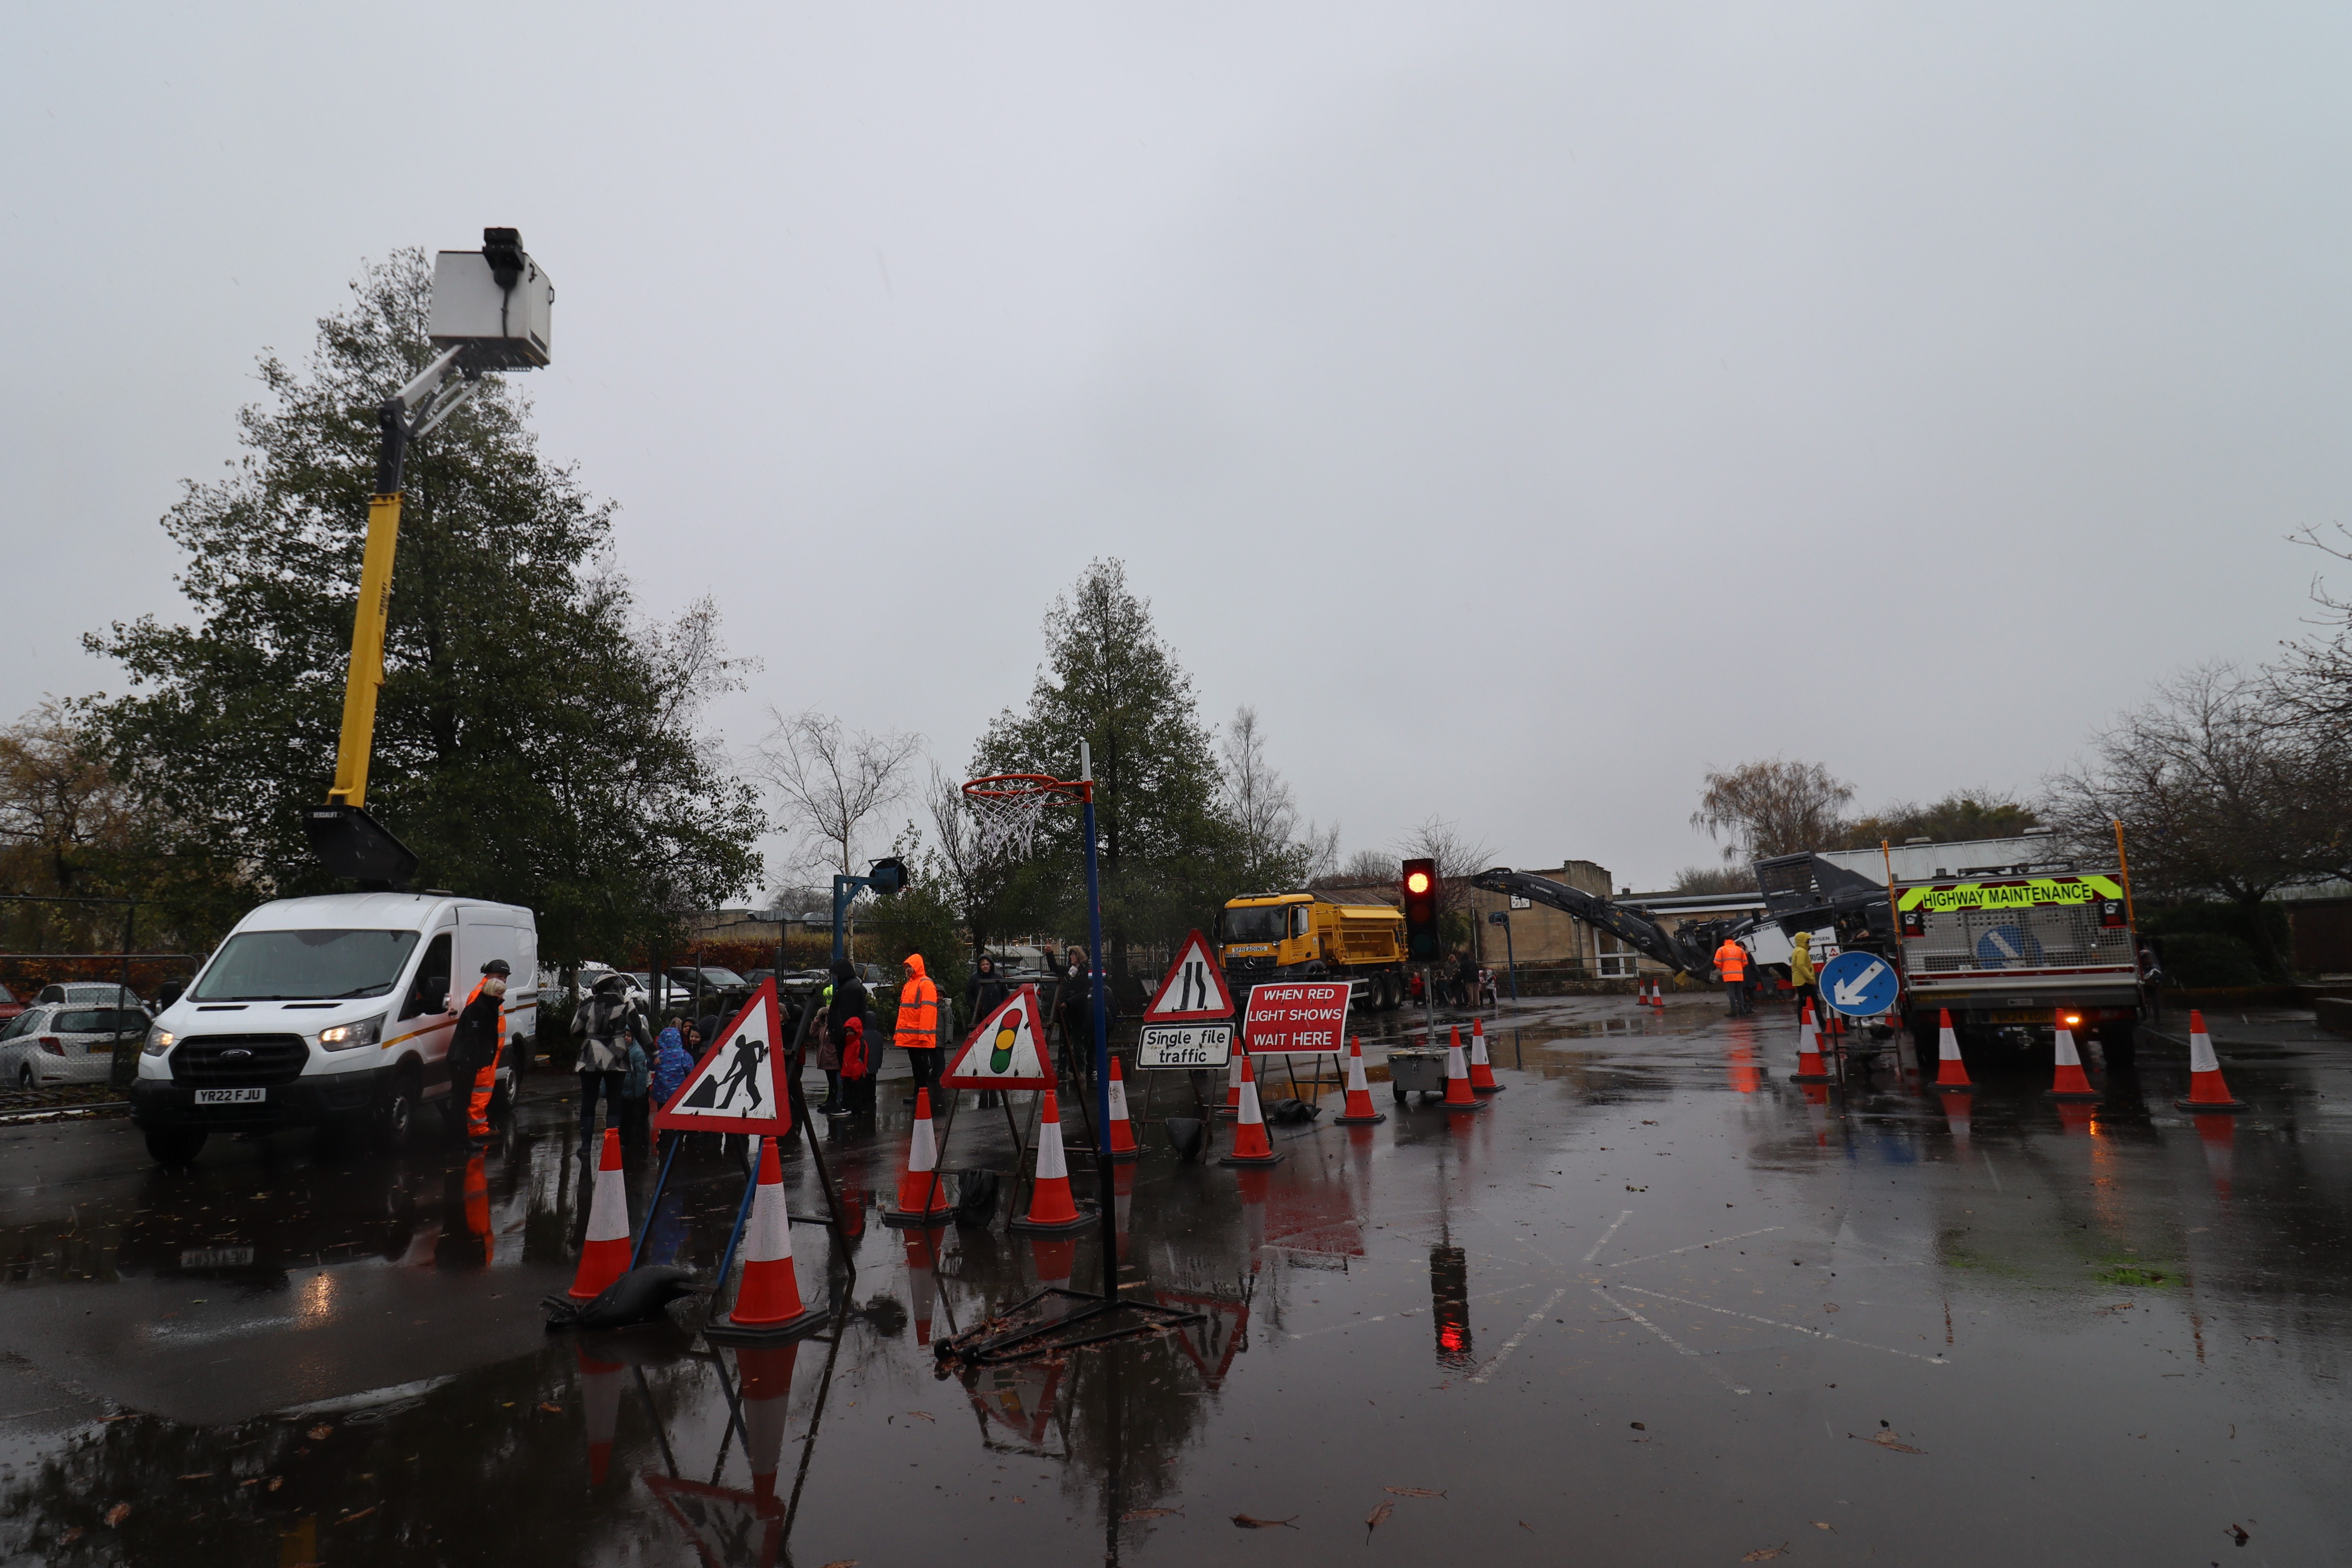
x=2102 y=1331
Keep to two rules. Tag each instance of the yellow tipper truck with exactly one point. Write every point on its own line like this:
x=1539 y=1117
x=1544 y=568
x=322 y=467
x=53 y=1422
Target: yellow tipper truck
x=1294 y=936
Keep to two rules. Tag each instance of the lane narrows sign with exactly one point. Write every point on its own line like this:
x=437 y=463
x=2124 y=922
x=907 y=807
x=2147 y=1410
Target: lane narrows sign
x=1189 y=1022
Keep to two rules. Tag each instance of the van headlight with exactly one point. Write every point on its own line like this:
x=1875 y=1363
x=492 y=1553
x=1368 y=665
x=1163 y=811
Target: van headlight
x=344 y=1036
x=159 y=1040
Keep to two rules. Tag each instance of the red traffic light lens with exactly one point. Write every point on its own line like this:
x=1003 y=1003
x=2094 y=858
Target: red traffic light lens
x=1418 y=883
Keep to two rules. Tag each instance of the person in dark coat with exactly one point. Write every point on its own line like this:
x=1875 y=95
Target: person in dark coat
x=849 y=1001
x=984 y=993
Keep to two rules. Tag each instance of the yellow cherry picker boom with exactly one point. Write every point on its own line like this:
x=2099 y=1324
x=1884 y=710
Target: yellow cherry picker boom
x=491 y=310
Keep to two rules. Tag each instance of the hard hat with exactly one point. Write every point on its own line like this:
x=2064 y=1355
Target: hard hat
x=497 y=966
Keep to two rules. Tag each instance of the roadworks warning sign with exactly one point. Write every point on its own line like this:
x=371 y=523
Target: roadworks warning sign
x=736 y=1086
x=1007 y=1050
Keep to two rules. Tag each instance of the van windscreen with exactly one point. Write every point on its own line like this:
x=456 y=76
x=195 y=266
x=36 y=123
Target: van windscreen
x=305 y=965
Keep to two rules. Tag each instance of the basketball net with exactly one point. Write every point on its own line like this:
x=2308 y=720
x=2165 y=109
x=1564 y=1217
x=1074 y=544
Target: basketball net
x=1008 y=809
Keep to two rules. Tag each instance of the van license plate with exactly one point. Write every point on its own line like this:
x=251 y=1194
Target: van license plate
x=231 y=1096
x=216 y=1257
x=2039 y=1015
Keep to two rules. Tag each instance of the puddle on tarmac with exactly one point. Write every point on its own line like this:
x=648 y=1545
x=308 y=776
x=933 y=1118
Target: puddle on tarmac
x=2112 y=1331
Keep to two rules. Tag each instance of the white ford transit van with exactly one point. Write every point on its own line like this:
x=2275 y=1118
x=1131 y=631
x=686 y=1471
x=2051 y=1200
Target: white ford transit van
x=331 y=1010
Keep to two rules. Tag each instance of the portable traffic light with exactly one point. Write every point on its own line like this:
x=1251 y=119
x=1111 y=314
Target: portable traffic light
x=1421 y=940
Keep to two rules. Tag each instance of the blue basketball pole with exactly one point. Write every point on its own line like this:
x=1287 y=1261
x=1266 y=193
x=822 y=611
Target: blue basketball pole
x=1105 y=1193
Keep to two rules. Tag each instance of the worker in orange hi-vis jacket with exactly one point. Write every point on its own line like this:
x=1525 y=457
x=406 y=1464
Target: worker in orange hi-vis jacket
x=1731 y=962
x=477 y=1043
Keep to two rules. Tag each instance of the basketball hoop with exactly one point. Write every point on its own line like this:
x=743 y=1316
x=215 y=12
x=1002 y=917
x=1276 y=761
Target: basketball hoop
x=1007 y=809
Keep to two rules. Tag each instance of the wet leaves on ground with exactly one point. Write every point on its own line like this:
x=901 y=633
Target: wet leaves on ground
x=2236 y=1532
x=1251 y=1522
x=1765 y=1553
x=1379 y=1516
x=122 y=1510
x=1138 y=1515
x=1411 y=1491
x=320 y=1434
x=1887 y=1441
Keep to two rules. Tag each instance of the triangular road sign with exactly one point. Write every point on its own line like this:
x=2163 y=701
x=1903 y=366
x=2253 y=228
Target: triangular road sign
x=1194 y=991
x=737 y=1087
x=1007 y=1050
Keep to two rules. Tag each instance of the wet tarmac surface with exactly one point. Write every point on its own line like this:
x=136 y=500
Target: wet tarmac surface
x=1656 y=1304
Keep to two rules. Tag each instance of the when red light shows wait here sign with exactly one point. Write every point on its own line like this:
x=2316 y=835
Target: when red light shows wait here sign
x=1298 y=1017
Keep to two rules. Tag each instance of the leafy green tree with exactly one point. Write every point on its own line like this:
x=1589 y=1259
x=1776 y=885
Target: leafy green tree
x=1169 y=853
x=535 y=741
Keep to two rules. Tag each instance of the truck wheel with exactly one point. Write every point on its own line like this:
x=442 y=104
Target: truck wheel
x=174 y=1145
x=395 y=1114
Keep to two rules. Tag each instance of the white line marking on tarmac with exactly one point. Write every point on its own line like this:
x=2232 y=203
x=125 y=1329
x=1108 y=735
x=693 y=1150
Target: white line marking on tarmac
x=1623 y=1215
x=1525 y=1329
x=1692 y=1247
x=1539 y=1251
x=1817 y=1333
x=1686 y=1350
x=1408 y=1312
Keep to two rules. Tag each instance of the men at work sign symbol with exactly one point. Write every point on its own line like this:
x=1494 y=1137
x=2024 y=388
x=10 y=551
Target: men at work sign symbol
x=736 y=1086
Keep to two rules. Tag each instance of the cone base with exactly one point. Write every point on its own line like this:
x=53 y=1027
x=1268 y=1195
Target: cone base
x=1057 y=1226
x=2231 y=1106
x=1813 y=1077
x=1459 y=1105
x=1224 y=1112
x=910 y=1219
x=727 y=1331
x=1251 y=1159
x=1489 y=1088
x=1953 y=1088
x=1124 y=1156
x=2072 y=1094
x=1365 y=1121
x=587 y=1284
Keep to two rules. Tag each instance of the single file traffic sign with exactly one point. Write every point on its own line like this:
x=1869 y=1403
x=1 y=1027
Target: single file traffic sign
x=1859 y=985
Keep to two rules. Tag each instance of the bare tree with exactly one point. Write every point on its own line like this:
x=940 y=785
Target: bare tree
x=1364 y=866
x=2217 y=799
x=1458 y=858
x=1256 y=796
x=832 y=779
x=1772 y=808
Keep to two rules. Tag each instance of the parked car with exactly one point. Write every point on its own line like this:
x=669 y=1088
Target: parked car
x=9 y=1005
x=91 y=994
x=61 y=1042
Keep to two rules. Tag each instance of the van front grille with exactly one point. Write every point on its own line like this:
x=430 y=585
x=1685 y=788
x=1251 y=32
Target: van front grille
x=238 y=1061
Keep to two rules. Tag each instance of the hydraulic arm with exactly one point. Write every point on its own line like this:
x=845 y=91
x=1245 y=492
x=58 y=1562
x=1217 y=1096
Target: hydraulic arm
x=1690 y=950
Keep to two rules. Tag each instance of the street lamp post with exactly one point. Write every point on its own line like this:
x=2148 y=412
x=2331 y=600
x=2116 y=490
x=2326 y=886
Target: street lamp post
x=1510 y=957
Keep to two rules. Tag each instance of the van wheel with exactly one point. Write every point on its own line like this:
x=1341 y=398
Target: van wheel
x=174 y=1145
x=395 y=1114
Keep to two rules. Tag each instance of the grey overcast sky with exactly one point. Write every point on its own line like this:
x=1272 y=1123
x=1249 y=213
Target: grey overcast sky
x=1526 y=406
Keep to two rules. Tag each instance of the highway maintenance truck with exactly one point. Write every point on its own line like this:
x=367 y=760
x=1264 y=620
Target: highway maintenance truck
x=1293 y=936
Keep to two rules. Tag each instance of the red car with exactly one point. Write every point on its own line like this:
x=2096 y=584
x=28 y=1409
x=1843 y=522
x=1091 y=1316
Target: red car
x=9 y=1005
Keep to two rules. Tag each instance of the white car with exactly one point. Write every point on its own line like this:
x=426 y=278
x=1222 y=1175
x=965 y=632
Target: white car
x=65 y=1043
x=91 y=994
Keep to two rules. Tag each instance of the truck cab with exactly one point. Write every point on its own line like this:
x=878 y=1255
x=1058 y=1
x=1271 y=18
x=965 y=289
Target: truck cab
x=327 y=1012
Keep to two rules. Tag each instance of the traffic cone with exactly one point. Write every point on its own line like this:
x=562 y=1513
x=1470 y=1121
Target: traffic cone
x=1951 y=1073
x=2068 y=1083
x=1481 y=1071
x=766 y=1391
x=2206 y=1090
x=1122 y=1132
x=1251 y=1146
x=1233 y=1105
x=922 y=1191
x=1051 y=1207
x=605 y=1258
x=1359 y=1109
x=1809 y=1067
x=1457 y=1076
x=922 y=1264
x=600 y=1395
x=770 y=1296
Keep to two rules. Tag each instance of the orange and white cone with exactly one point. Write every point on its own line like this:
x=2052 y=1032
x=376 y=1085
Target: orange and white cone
x=922 y=1264
x=605 y=1256
x=1809 y=1067
x=1481 y=1071
x=2206 y=1090
x=1951 y=1073
x=1359 y=1110
x=1123 y=1131
x=766 y=1389
x=1251 y=1145
x=770 y=1296
x=1233 y=1105
x=923 y=1193
x=1457 y=1076
x=2068 y=1083
x=600 y=1395
x=1051 y=1206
